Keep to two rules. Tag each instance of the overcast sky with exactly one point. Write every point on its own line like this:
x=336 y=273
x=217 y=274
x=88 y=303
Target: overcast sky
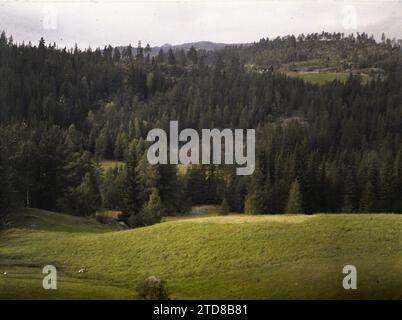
x=96 y=23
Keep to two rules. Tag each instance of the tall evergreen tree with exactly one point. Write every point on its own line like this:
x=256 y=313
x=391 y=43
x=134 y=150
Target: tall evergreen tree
x=133 y=193
x=368 y=199
x=295 y=200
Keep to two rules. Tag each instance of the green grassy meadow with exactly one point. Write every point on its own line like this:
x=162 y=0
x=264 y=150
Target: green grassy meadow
x=212 y=257
x=322 y=77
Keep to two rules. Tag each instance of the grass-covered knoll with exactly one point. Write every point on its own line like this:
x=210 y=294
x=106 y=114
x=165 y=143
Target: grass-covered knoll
x=236 y=256
x=37 y=219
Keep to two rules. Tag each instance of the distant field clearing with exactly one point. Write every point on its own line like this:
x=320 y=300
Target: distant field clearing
x=110 y=164
x=323 y=77
x=243 y=218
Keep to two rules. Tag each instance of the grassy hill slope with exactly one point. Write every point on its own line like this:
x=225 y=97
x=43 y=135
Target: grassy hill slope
x=235 y=256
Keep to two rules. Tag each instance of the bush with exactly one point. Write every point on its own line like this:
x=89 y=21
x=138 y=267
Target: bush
x=150 y=214
x=146 y=217
x=152 y=288
x=102 y=219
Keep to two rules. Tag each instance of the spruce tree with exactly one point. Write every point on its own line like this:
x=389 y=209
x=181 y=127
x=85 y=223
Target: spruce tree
x=88 y=194
x=295 y=200
x=171 y=57
x=192 y=55
x=132 y=197
x=150 y=214
x=368 y=199
x=350 y=196
x=4 y=188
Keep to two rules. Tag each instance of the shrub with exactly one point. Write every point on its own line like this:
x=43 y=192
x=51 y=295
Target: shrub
x=152 y=288
x=150 y=214
x=102 y=219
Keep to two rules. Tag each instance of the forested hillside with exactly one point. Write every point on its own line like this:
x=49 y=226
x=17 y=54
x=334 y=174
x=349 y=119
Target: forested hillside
x=334 y=147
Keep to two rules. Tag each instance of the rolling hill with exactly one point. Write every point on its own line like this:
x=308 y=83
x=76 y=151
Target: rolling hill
x=226 y=257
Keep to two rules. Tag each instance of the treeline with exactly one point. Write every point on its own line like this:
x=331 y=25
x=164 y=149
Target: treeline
x=330 y=148
x=42 y=167
x=327 y=49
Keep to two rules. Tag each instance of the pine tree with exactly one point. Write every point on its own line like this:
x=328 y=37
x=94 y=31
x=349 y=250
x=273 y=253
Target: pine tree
x=350 y=196
x=128 y=52
x=26 y=161
x=150 y=214
x=171 y=57
x=196 y=186
x=148 y=51
x=113 y=188
x=140 y=52
x=155 y=205
x=88 y=195
x=387 y=183
x=368 y=199
x=4 y=187
x=397 y=182
x=192 y=55
x=132 y=197
x=165 y=180
x=161 y=55
x=295 y=200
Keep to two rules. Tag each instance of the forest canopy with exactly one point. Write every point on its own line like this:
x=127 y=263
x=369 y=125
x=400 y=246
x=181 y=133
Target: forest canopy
x=334 y=147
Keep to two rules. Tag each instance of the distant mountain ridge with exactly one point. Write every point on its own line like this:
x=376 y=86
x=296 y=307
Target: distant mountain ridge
x=198 y=45
x=203 y=45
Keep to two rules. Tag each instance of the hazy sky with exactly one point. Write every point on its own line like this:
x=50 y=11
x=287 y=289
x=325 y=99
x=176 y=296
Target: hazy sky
x=101 y=22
